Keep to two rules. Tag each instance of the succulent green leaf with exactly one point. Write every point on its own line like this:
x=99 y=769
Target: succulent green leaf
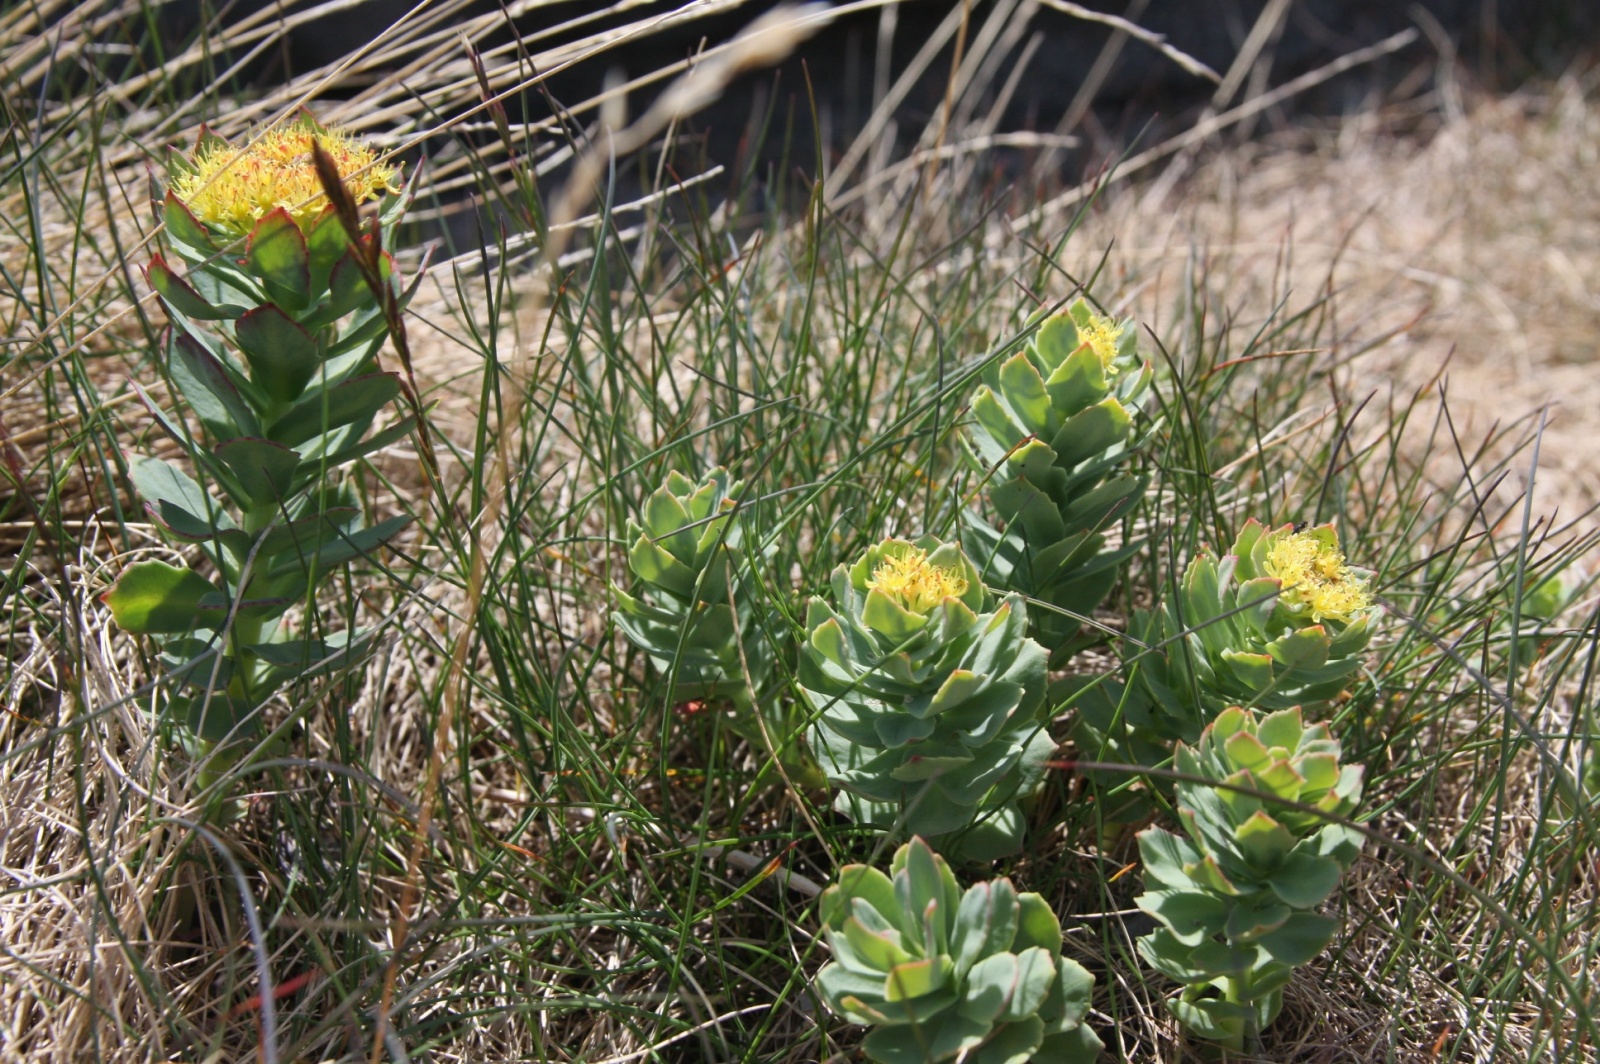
x=959 y=686
x=1190 y=915
x=283 y=357
x=1255 y=671
x=326 y=243
x=182 y=226
x=930 y=760
x=1249 y=920
x=956 y=1034
x=265 y=470
x=1036 y=970
x=1057 y=340
x=1024 y=392
x=1090 y=432
x=1304 y=648
x=1301 y=937
x=1305 y=880
x=667 y=522
x=211 y=392
x=906 y=1044
x=865 y=883
x=880 y=949
x=1166 y=857
x=215 y=716
x=152 y=597
x=323 y=410
x=888 y=618
x=986 y=923
x=1263 y=842
x=996 y=421
x=917 y=979
x=340 y=548
x=1078 y=381
x=1283 y=728
x=989 y=986
x=1015 y=1043
x=919 y=886
x=1037 y=925
x=276 y=253
x=178 y=294
x=1211 y=1018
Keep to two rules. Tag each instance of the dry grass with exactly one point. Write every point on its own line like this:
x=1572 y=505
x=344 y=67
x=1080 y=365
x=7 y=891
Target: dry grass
x=1467 y=252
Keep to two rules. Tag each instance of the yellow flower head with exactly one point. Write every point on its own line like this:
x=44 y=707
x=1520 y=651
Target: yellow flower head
x=1314 y=573
x=1102 y=336
x=911 y=581
x=232 y=188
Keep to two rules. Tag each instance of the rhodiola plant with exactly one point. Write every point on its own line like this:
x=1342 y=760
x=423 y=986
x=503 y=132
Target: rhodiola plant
x=697 y=614
x=1280 y=620
x=928 y=698
x=277 y=317
x=1236 y=895
x=942 y=975
x=1050 y=427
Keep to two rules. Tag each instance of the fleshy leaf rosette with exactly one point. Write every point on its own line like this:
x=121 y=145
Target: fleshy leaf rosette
x=1050 y=427
x=928 y=703
x=941 y=975
x=696 y=614
x=1236 y=895
x=277 y=319
x=1282 y=620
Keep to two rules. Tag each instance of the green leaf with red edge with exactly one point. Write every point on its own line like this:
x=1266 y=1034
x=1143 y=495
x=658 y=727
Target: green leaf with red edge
x=324 y=410
x=184 y=228
x=326 y=242
x=276 y=253
x=283 y=356
x=152 y=597
x=343 y=547
x=178 y=295
x=208 y=140
x=209 y=389
x=347 y=284
x=263 y=469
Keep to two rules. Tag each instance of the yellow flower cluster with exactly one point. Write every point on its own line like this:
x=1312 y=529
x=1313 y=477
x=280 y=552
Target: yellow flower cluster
x=1314 y=573
x=232 y=188
x=914 y=583
x=1102 y=336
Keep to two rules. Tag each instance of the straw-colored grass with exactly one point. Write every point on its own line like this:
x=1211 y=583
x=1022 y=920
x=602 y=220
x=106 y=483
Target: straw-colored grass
x=1370 y=314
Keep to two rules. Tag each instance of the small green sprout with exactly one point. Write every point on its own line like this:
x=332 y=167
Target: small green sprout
x=698 y=616
x=929 y=703
x=943 y=976
x=1051 y=424
x=1237 y=897
x=1282 y=620
x=277 y=322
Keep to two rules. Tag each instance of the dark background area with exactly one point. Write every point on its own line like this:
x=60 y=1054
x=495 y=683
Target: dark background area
x=1499 y=42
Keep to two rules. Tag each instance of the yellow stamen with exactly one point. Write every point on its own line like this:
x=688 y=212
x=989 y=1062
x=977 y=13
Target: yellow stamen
x=910 y=580
x=1316 y=575
x=1102 y=336
x=232 y=188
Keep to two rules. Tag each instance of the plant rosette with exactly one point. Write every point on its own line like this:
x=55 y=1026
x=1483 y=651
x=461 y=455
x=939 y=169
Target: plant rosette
x=942 y=975
x=276 y=326
x=1236 y=895
x=928 y=703
x=697 y=616
x=1050 y=427
x=1281 y=620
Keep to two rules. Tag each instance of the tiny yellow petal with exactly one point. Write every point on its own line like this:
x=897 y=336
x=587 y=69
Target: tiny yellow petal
x=1314 y=574
x=1102 y=336
x=914 y=583
x=233 y=188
